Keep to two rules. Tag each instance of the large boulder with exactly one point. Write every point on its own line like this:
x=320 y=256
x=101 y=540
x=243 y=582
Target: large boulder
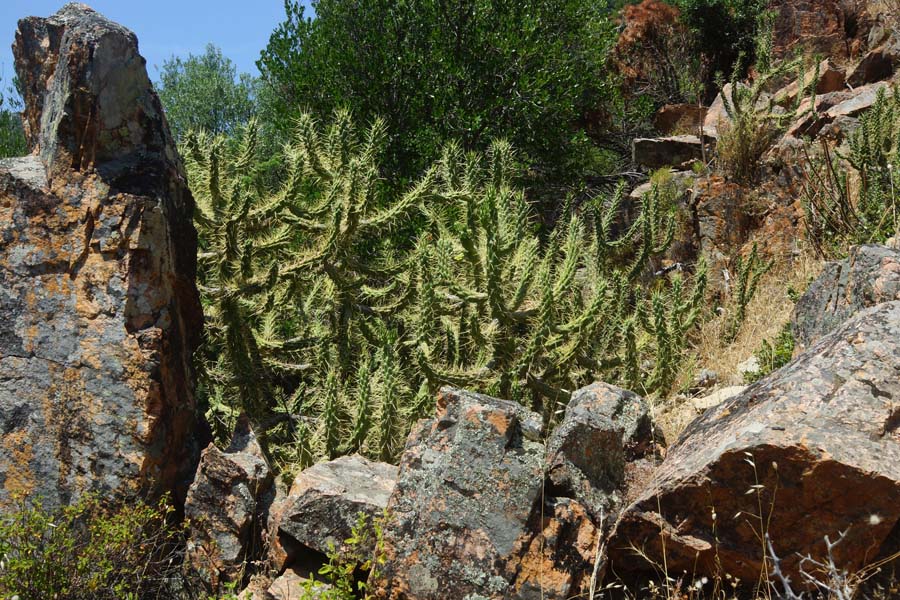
x=227 y=508
x=469 y=513
x=469 y=479
x=809 y=452
x=324 y=504
x=99 y=313
x=870 y=275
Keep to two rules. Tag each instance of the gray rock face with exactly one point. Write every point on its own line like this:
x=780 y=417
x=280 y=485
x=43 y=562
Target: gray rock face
x=676 y=151
x=99 y=314
x=817 y=444
x=869 y=276
x=324 y=504
x=88 y=100
x=604 y=429
x=228 y=506
x=468 y=481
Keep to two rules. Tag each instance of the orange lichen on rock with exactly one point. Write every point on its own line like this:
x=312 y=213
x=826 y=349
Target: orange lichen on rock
x=99 y=313
x=18 y=477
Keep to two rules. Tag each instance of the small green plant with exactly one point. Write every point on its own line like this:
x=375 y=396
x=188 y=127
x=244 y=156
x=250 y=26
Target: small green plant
x=748 y=273
x=773 y=355
x=364 y=553
x=86 y=550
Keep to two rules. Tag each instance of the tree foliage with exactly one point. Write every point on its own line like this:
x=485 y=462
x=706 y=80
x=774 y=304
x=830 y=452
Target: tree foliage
x=12 y=137
x=725 y=30
x=89 y=549
x=436 y=70
x=205 y=93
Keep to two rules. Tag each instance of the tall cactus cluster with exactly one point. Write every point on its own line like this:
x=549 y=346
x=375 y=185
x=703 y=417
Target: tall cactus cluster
x=337 y=309
x=853 y=197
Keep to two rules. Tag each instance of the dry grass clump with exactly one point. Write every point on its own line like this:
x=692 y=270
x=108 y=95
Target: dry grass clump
x=742 y=142
x=767 y=313
x=890 y=9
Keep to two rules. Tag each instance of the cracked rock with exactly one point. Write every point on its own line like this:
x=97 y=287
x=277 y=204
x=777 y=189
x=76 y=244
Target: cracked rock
x=99 y=312
x=868 y=276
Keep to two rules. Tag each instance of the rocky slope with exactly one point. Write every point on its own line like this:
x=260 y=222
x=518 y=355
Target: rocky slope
x=99 y=316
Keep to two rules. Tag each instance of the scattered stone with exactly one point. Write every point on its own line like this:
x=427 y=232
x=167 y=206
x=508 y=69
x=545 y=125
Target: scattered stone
x=816 y=445
x=99 y=312
x=876 y=65
x=706 y=378
x=810 y=122
x=676 y=151
x=324 y=504
x=717 y=397
x=748 y=366
x=868 y=276
x=291 y=585
x=862 y=100
x=227 y=507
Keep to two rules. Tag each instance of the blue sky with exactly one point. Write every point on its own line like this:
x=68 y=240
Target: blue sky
x=166 y=27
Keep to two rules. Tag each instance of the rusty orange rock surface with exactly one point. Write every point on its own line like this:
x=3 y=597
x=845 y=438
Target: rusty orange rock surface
x=99 y=314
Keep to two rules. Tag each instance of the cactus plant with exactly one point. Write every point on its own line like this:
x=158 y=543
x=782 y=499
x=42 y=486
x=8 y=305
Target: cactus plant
x=337 y=309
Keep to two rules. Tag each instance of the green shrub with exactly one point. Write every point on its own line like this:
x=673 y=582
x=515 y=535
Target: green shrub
x=726 y=32
x=12 y=137
x=363 y=553
x=773 y=355
x=86 y=550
